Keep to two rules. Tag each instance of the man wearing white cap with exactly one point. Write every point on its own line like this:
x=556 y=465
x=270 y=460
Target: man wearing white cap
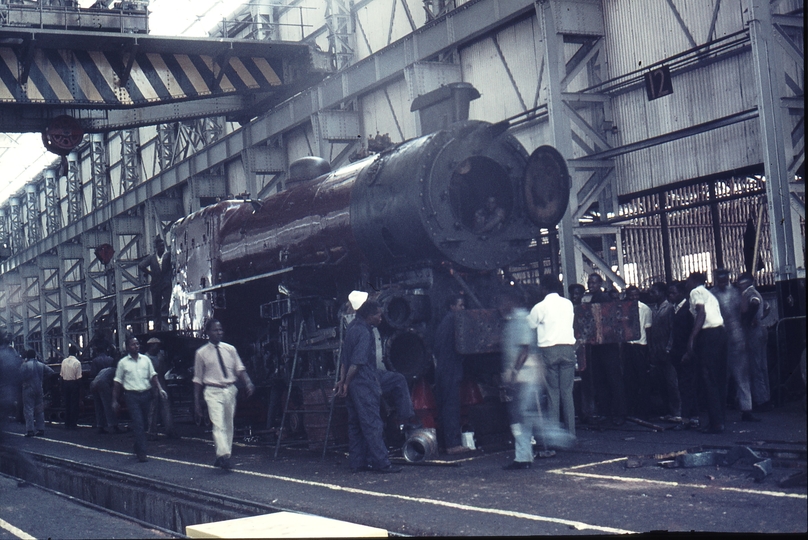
x=360 y=384
x=395 y=390
x=357 y=298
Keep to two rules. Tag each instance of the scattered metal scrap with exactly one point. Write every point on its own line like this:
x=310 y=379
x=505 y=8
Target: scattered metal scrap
x=761 y=466
x=643 y=423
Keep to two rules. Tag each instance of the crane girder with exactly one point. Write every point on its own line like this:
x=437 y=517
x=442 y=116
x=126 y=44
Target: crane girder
x=116 y=80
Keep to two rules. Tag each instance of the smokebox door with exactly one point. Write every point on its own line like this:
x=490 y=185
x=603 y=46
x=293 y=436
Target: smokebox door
x=547 y=186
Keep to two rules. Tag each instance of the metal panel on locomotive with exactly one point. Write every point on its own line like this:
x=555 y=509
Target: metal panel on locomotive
x=411 y=225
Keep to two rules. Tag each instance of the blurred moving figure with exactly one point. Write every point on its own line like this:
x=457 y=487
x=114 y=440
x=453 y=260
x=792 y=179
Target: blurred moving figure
x=32 y=372
x=753 y=310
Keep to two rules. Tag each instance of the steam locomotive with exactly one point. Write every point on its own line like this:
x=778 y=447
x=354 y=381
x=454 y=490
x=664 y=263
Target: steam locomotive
x=422 y=221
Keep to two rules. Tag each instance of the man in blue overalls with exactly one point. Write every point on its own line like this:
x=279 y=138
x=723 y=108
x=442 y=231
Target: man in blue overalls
x=359 y=383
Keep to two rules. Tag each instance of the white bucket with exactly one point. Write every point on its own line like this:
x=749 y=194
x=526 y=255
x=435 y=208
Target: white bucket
x=468 y=440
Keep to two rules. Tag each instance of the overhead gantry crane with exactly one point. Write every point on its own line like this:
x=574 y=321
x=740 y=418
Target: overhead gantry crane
x=67 y=71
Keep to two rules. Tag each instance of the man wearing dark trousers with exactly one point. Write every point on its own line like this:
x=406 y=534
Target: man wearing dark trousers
x=605 y=362
x=32 y=372
x=448 y=376
x=136 y=379
x=708 y=345
x=70 y=373
x=158 y=267
x=358 y=381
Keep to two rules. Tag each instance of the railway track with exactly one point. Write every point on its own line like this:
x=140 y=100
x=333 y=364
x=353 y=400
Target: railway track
x=158 y=503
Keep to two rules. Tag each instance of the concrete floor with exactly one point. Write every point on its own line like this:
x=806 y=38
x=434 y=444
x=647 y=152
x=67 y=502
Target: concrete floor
x=585 y=490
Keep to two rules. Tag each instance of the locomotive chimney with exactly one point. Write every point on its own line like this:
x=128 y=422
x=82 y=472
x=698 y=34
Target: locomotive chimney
x=441 y=108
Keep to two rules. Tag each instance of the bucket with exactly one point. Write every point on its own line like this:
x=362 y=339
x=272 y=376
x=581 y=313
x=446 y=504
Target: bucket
x=421 y=445
x=468 y=440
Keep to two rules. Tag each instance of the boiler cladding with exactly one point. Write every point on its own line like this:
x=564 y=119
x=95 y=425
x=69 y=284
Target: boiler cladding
x=414 y=204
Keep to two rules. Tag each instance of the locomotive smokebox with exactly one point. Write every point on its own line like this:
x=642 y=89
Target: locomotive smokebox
x=469 y=194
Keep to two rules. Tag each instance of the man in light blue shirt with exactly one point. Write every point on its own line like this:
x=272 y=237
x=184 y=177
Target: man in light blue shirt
x=135 y=375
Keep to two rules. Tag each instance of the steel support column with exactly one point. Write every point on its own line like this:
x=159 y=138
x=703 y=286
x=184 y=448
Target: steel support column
x=164 y=154
x=264 y=27
x=98 y=159
x=34 y=220
x=53 y=219
x=74 y=191
x=341 y=32
x=130 y=162
x=12 y=285
x=30 y=306
x=99 y=284
x=50 y=306
x=15 y=225
x=768 y=70
x=4 y=302
x=129 y=298
x=72 y=300
x=588 y=113
x=5 y=241
x=559 y=128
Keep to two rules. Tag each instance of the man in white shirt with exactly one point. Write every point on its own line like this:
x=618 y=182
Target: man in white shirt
x=636 y=362
x=70 y=373
x=553 y=320
x=708 y=345
x=217 y=366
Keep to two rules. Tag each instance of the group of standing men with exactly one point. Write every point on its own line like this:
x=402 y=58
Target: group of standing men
x=135 y=378
x=538 y=351
x=695 y=342
x=217 y=367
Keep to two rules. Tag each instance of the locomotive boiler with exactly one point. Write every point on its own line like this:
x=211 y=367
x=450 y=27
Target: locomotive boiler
x=413 y=225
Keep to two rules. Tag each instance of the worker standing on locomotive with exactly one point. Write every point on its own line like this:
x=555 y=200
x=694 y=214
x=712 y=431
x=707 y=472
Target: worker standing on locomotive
x=158 y=267
x=217 y=366
x=358 y=381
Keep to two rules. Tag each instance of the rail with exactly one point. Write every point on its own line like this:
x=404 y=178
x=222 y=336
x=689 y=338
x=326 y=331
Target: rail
x=156 y=502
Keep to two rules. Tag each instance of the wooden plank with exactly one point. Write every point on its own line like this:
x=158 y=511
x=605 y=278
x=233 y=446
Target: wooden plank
x=283 y=525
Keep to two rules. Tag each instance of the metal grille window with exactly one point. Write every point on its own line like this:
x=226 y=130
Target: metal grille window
x=696 y=227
